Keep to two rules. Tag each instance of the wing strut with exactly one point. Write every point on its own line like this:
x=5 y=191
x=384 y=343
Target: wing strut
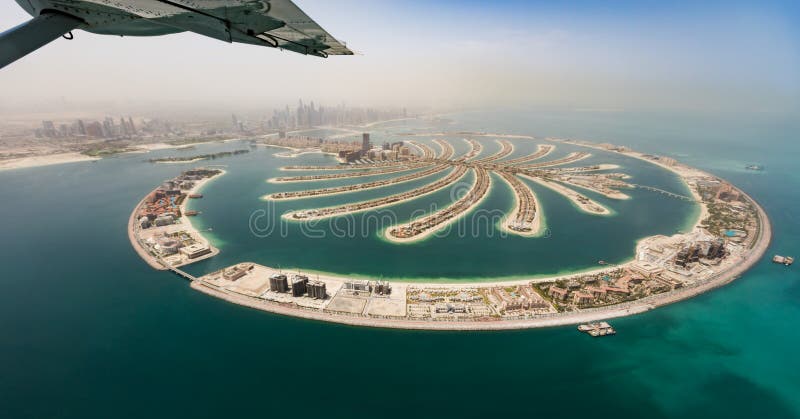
x=20 y=41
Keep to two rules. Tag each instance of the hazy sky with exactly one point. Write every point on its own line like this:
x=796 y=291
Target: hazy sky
x=593 y=54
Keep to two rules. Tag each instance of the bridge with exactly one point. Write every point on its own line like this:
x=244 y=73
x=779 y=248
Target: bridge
x=182 y=273
x=177 y=271
x=667 y=193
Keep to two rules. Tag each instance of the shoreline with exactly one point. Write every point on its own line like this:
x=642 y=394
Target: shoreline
x=731 y=269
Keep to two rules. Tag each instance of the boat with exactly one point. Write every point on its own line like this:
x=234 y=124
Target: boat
x=191 y=213
x=195 y=195
x=785 y=260
x=756 y=167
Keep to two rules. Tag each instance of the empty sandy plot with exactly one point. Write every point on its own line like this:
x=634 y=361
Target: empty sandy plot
x=347 y=304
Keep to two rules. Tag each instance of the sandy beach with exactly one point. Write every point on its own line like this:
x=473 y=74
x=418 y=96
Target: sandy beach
x=44 y=160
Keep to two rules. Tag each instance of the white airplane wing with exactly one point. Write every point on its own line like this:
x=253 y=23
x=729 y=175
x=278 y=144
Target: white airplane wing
x=272 y=23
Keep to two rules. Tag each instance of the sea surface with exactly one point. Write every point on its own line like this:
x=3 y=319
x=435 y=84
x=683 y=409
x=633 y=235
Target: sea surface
x=89 y=330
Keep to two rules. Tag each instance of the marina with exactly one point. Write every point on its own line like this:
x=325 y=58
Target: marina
x=597 y=329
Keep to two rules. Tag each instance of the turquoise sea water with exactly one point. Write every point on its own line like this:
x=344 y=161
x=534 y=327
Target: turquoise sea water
x=88 y=330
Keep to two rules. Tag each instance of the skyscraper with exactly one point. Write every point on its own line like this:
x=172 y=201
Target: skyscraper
x=49 y=129
x=365 y=145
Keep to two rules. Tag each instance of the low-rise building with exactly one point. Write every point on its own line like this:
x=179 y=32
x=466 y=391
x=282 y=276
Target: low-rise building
x=597 y=292
x=168 y=246
x=382 y=288
x=580 y=297
x=357 y=286
x=557 y=292
x=195 y=250
x=235 y=272
x=164 y=219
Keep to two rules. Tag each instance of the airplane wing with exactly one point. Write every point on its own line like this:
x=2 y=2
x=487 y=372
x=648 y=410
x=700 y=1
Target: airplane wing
x=301 y=29
x=271 y=23
x=275 y=23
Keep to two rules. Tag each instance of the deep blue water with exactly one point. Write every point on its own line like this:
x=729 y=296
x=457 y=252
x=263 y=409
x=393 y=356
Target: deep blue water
x=88 y=330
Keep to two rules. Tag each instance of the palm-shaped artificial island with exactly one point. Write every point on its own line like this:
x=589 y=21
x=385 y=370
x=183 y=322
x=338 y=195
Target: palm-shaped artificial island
x=730 y=234
x=524 y=219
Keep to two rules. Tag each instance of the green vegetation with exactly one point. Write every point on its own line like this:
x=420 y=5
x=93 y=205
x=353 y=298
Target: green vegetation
x=193 y=140
x=199 y=157
x=106 y=151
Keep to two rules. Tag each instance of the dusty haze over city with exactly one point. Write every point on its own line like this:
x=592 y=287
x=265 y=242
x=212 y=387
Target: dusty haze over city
x=433 y=55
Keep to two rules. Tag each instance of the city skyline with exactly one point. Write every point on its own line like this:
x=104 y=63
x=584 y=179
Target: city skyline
x=677 y=56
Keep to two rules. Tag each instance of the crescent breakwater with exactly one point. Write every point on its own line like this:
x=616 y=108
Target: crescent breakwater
x=664 y=269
